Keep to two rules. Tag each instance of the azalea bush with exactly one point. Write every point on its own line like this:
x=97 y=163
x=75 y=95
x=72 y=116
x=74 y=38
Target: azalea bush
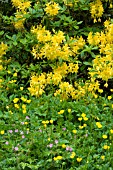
x=56 y=62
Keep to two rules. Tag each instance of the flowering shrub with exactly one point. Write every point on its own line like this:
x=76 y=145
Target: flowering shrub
x=56 y=85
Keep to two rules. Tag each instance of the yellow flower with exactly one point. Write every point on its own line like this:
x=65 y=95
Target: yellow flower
x=74 y=131
x=106 y=85
x=85 y=118
x=104 y=136
x=111 y=131
x=17 y=106
x=52 y=8
x=80 y=118
x=69 y=110
x=51 y=121
x=84 y=125
x=106 y=147
x=48 y=139
x=23 y=106
x=102 y=157
x=109 y=97
x=24 y=111
x=79 y=159
x=63 y=146
x=57 y=158
x=98 y=124
x=15 y=75
x=61 y=112
x=15 y=100
x=28 y=101
x=23 y=99
x=47 y=121
x=43 y=122
x=2 y=132
x=21 y=88
x=83 y=115
x=25 y=123
x=72 y=155
x=81 y=127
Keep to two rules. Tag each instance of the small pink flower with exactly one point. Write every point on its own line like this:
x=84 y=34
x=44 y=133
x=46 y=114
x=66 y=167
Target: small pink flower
x=70 y=149
x=27 y=117
x=67 y=148
x=16 y=148
x=10 y=131
x=64 y=128
x=23 y=136
x=22 y=123
x=16 y=130
x=56 y=141
x=50 y=145
x=7 y=143
x=40 y=130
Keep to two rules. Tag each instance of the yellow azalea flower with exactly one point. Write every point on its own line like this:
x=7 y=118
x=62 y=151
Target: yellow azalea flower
x=106 y=85
x=74 y=131
x=79 y=159
x=52 y=8
x=2 y=132
x=102 y=157
x=104 y=136
x=51 y=121
x=63 y=146
x=15 y=100
x=83 y=115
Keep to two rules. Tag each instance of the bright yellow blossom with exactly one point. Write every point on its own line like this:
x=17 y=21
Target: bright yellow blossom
x=79 y=159
x=2 y=132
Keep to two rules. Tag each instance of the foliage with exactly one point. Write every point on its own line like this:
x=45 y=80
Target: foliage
x=56 y=62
